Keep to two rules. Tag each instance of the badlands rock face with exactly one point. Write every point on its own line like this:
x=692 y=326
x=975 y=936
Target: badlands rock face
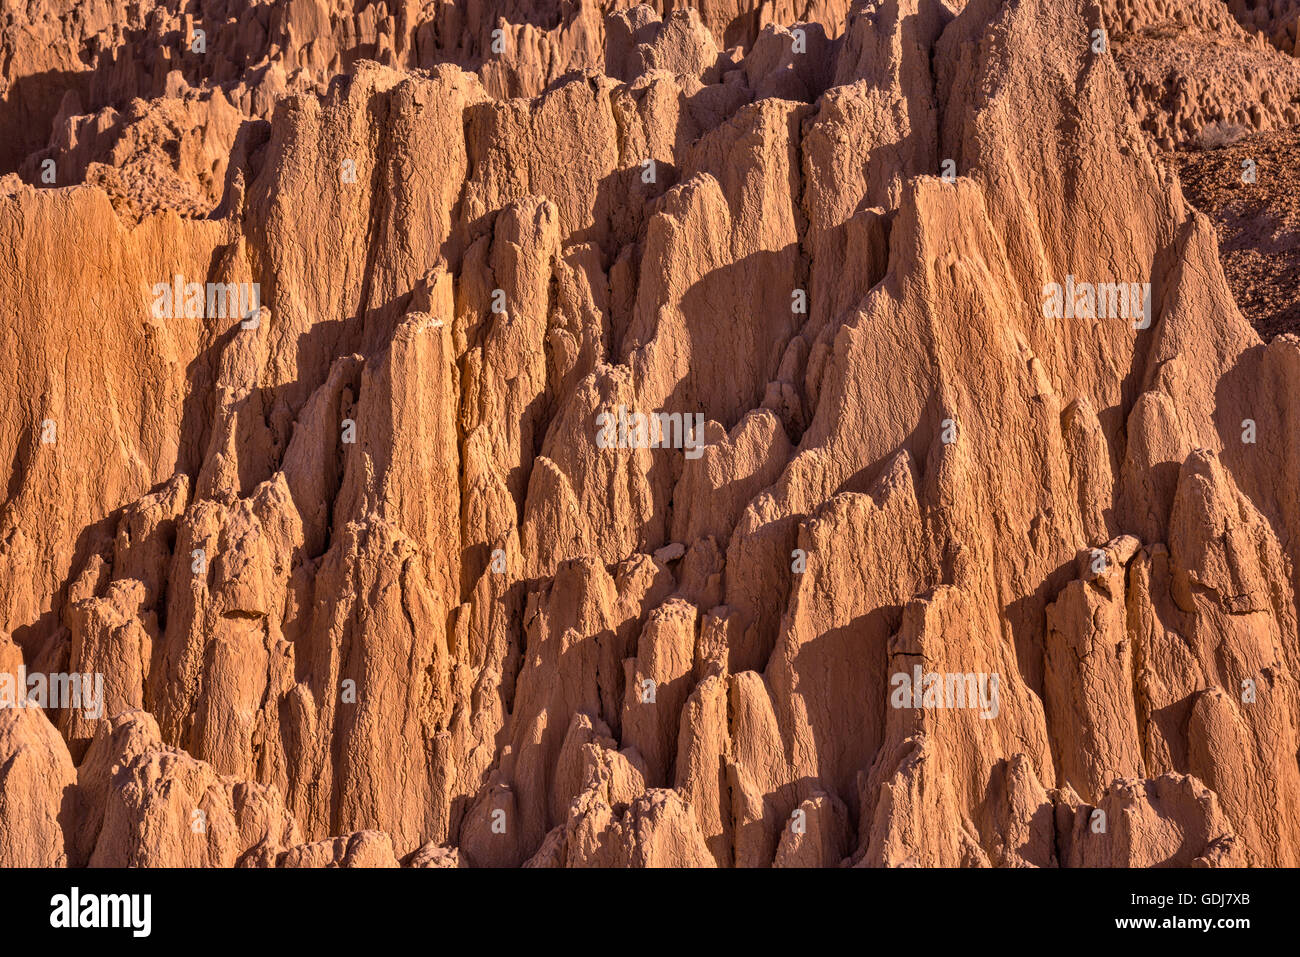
x=571 y=434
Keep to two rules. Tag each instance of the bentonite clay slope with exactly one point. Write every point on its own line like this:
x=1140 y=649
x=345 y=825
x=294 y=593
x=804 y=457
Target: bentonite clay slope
x=1195 y=76
x=368 y=585
x=1258 y=222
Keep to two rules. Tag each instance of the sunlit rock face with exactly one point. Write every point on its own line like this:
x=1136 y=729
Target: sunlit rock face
x=601 y=435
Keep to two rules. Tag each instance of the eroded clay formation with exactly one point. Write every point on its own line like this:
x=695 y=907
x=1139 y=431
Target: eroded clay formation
x=680 y=463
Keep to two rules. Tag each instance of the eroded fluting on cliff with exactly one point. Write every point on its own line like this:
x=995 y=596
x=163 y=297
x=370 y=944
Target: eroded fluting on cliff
x=683 y=466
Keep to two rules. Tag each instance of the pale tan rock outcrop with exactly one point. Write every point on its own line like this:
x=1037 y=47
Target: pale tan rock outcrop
x=1169 y=821
x=362 y=849
x=37 y=791
x=162 y=807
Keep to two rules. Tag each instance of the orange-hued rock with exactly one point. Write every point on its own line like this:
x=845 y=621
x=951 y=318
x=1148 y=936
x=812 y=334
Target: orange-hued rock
x=37 y=787
x=158 y=806
x=1197 y=76
x=659 y=438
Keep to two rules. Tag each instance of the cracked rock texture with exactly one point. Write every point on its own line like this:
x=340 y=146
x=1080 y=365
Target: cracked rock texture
x=366 y=579
x=1196 y=76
